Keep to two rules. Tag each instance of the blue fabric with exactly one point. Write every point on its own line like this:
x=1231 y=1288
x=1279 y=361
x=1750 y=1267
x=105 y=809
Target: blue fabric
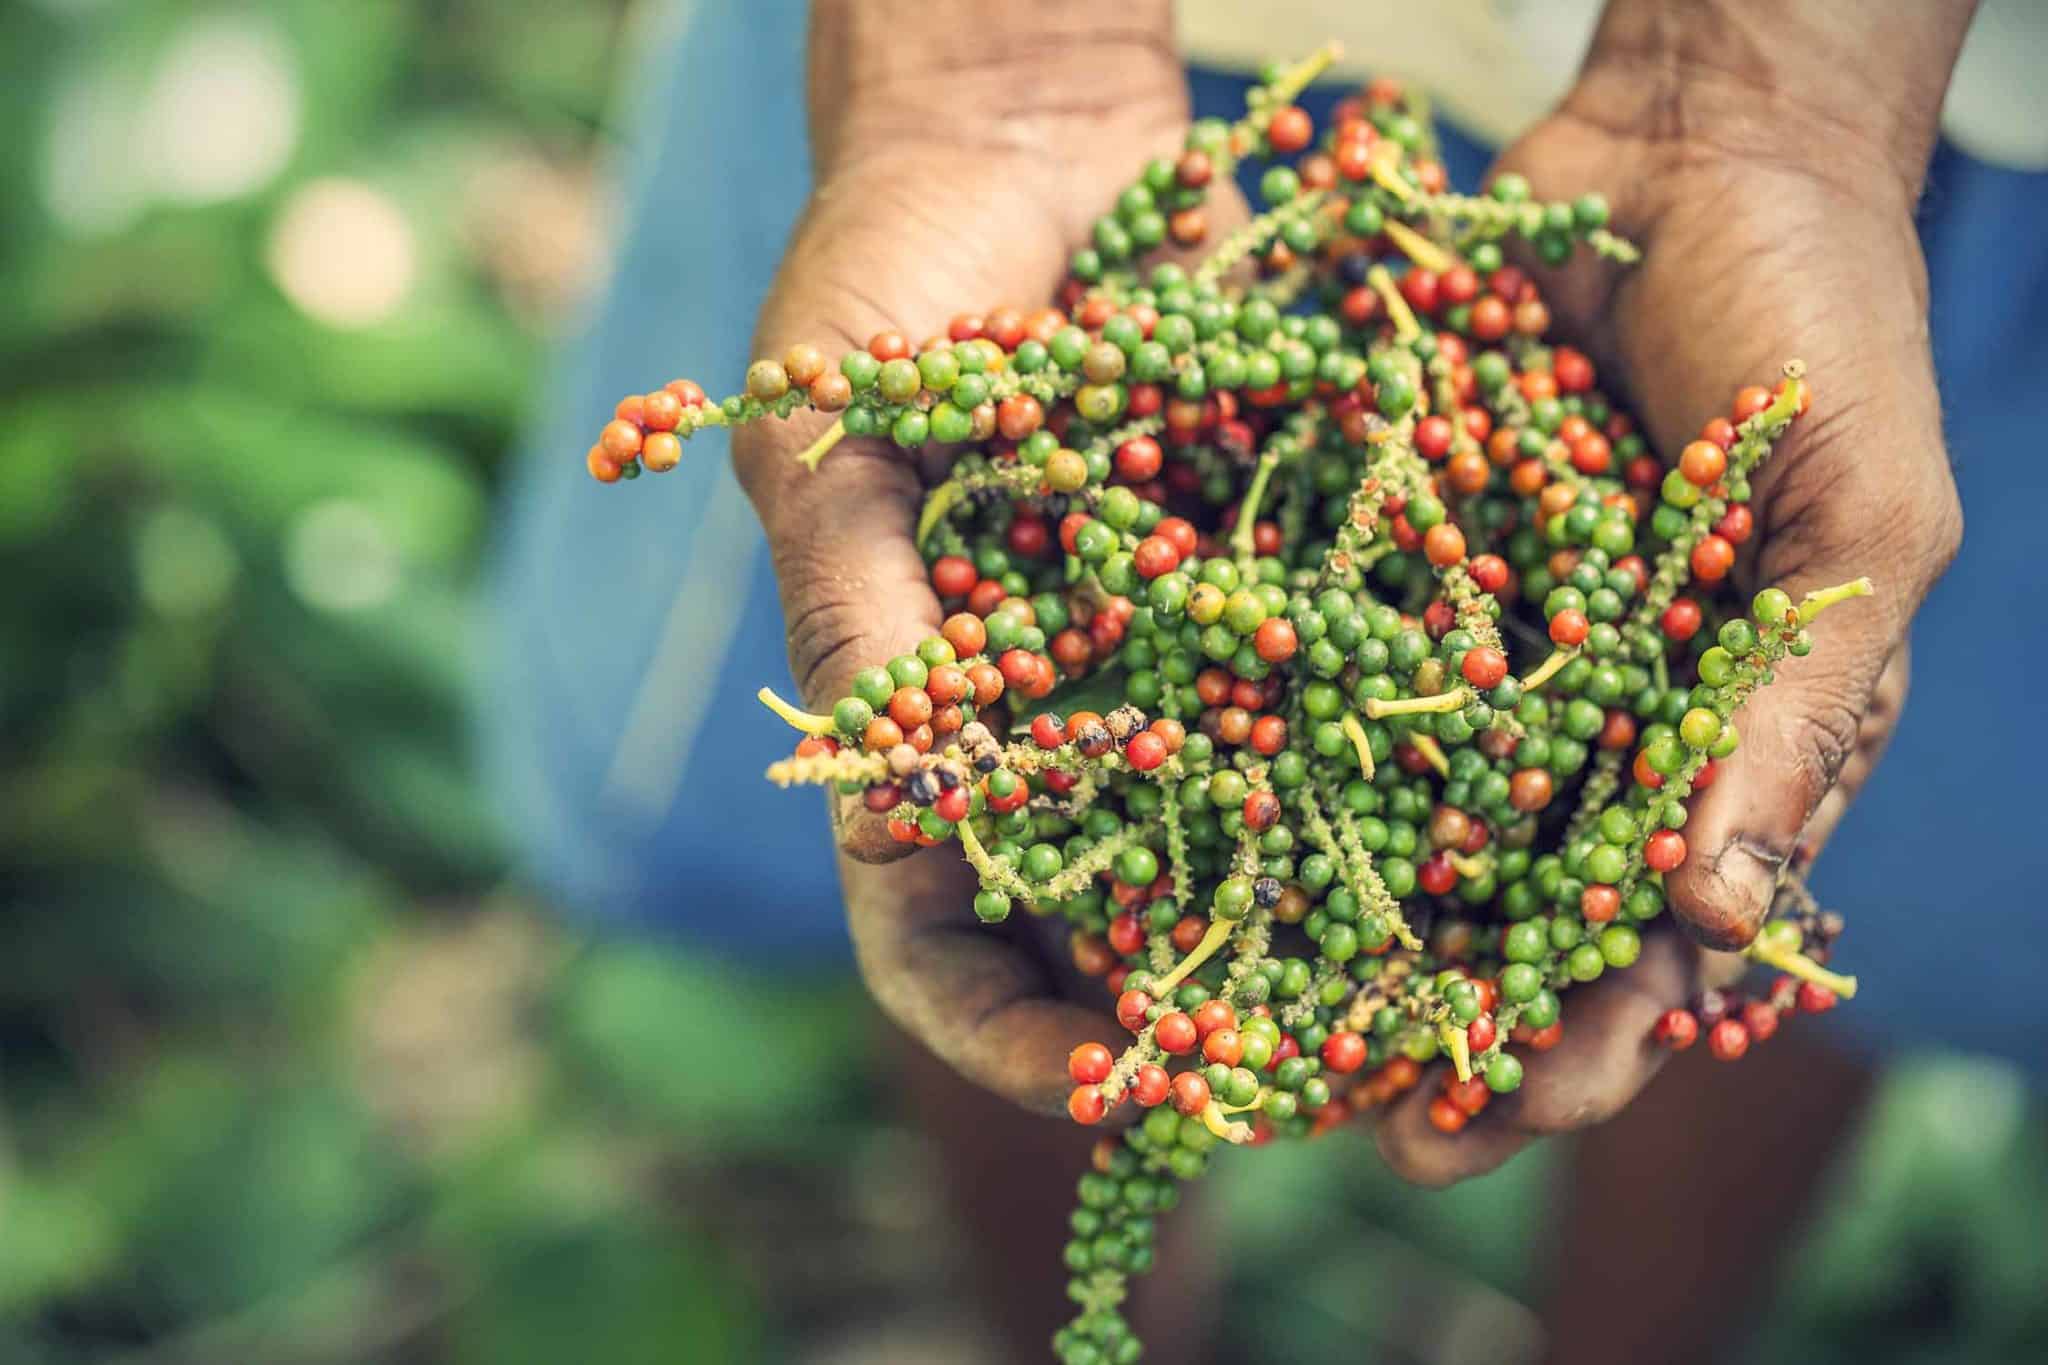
x=641 y=802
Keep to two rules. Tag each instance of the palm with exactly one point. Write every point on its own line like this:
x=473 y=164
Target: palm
x=888 y=244
x=1746 y=265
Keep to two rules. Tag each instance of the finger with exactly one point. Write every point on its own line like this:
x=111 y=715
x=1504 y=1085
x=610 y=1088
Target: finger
x=855 y=591
x=1830 y=512
x=1605 y=1057
x=855 y=594
x=981 y=998
x=1880 y=722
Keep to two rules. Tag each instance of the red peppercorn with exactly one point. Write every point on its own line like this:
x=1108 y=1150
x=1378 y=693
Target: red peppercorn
x=1591 y=454
x=1676 y=1029
x=1126 y=935
x=1574 y=372
x=1728 y=1040
x=1151 y=1085
x=1145 y=751
x=1446 y=1117
x=1086 y=1105
x=1131 y=1007
x=1433 y=437
x=1490 y=572
x=1289 y=130
x=1471 y=1096
x=1736 y=523
x=1275 y=640
x=1599 y=903
x=1224 y=1046
x=1749 y=402
x=1484 y=667
x=1028 y=537
x=1712 y=558
x=1760 y=1019
x=953 y=805
x=1175 y=1033
x=620 y=439
x=1344 y=1052
x=1213 y=1015
x=1703 y=463
x=1090 y=1063
x=1569 y=628
x=1681 y=620
x=1814 y=998
x=1664 y=850
x=1139 y=458
x=1018 y=416
x=953 y=576
x=1190 y=1093
x=1180 y=532
x=1531 y=789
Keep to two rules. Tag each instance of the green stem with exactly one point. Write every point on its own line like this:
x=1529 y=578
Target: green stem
x=1242 y=535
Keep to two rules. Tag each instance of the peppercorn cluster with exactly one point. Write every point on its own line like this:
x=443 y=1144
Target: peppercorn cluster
x=1325 y=650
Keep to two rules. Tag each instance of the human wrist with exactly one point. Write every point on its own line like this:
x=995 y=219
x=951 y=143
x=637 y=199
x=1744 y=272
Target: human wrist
x=1803 y=86
x=984 y=76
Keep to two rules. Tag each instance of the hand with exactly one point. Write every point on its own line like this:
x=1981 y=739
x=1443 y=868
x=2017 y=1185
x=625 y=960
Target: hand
x=951 y=175
x=1770 y=230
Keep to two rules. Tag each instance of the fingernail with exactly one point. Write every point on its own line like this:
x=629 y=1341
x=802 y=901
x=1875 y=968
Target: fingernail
x=1746 y=880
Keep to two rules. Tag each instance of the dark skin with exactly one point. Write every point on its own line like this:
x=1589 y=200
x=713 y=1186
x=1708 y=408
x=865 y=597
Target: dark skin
x=1740 y=142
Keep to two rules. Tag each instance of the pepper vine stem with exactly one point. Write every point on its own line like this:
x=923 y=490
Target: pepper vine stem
x=1548 y=669
x=1792 y=962
x=810 y=722
x=1457 y=699
x=817 y=450
x=1214 y=937
x=1819 y=600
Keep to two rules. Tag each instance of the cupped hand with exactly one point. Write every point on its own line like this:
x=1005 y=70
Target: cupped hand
x=938 y=192
x=1761 y=243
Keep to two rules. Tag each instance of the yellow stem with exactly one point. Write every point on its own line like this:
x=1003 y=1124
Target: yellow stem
x=1256 y=1101
x=1819 y=600
x=1419 y=248
x=818 y=449
x=1294 y=80
x=1792 y=962
x=1457 y=699
x=1454 y=1042
x=1386 y=177
x=1355 y=732
x=1548 y=668
x=1242 y=535
x=810 y=722
x=1405 y=325
x=1216 y=936
x=1213 y=1120
x=1470 y=867
x=1427 y=746
x=937 y=503
x=994 y=876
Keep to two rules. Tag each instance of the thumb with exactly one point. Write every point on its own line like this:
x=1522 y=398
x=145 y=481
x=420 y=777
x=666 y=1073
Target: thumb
x=855 y=593
x=1836 y=512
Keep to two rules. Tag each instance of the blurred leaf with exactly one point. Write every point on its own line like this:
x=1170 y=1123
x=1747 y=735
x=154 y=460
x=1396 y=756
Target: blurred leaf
x=638 y=1014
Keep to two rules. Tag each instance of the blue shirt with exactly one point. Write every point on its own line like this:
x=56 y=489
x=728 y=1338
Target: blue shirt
x=631 y=626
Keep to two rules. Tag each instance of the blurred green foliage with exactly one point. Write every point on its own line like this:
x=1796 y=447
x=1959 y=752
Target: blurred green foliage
x=284 y=1075
x=287 y=1072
